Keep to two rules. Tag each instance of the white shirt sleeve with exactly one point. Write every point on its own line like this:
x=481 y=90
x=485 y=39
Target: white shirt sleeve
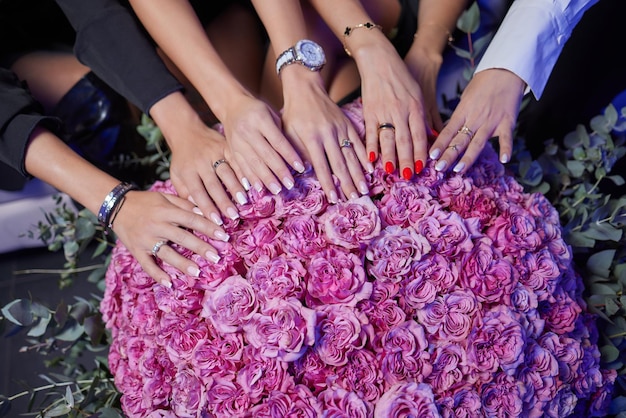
x=531 y=38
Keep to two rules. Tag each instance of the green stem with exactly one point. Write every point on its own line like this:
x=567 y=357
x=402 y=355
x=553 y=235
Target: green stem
x=59 y=271
x=582 y=199
x=55 y=385
x=619 y=334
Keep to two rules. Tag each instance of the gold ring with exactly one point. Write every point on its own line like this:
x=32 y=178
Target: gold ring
x=346 y=143
x=465 y=130
x=454 y=147
x=157 y=247
x=218 y=163
x=386 y=126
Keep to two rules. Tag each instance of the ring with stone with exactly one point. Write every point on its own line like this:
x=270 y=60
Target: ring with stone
x=157 y=247
x=218 y=163
x=454 y=147
x=346 y=143
x=465 y=130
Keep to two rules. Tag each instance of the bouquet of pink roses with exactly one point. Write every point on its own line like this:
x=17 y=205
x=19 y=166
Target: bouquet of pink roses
x=447 y=296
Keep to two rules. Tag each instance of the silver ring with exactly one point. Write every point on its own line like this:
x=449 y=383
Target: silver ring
x=346 y=143
x=465 y=130
x=218 y=163
x=157 y=247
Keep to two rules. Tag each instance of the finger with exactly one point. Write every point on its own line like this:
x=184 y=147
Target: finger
x=337 y=158
x=355 y=168
x=444 y=138
x=387 y=139
x=456 y=147
x=190 y=219
x=284 y=147
x=470 y=154
x=323 y=171
x=371 y=137
x=420 y=144
x=199 y=197
x=189 y=241
x=146 y=261
x=404 y=148
x=505 y=140
x=359 y=150
x=215 y=184
x=275 y=138
x=170 y=256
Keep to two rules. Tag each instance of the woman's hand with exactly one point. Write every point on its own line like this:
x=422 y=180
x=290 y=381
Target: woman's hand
x=256 y=145
x=488 y=108
x=148 y=218
x=320 y=131
x=393 y=108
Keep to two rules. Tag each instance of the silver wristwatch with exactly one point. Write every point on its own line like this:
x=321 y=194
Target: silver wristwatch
x=304 y=52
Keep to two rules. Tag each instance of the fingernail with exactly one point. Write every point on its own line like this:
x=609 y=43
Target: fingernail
x=167 y=284
x=407 y=173
x=241 y=198
x=193 y=271
x=504 y=159
x=211 y=256
x=274 y=188
x=434 y=154
x=333 y=197
x=297 y=165
x=363 y=188
x=434 y=133
x=232 y=213
x=354 y=195
x=419 y=166
x=245 y=183
x=389 y=167
x=258 y=186
x=197 y=211
x=372 y=156
x=370 y=168
x=217 y=219
x=221 y=235
x=441 y=165
x=288 y=183
x=459 y=167
x=190 y=198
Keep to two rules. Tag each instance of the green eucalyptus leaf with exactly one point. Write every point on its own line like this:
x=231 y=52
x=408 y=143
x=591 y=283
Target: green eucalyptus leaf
x=617 y=180
x=601 y=289
x=600 y=124
x=100 y=249
x=603 y=232
x=57 y=411
x=40 y=327
x=69 y=397
x=610 y=113
x=71 y=332
x=94 y=328
x=469 y=21
x=600 y=263
x=575 y=168
x=109 y=413
x=578 y=239
x=610 y=307
x=609 y=353
x=19 y=312
x=61 y=313
x=579 y=154
x=85 y=229
x=573 y=140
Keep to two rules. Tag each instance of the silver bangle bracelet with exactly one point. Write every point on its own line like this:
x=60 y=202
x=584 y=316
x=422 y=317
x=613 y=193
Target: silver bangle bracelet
x=113 y=199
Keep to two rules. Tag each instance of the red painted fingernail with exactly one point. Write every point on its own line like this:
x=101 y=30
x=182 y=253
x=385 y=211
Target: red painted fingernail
x=372 y=156
x=407 y=173
x=434 y=133
x=419 y=166
x=389 y=167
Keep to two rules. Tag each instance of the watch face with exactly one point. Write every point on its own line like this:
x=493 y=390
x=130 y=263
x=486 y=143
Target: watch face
x=311 y=54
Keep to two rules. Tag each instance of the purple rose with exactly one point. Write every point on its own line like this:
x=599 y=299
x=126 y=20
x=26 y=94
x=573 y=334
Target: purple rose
x=279 y=277
x=311 y=371
x=261 y=239
x=560 y=311
x=408 y=399
x=477 y=203
x=361 y=375
x=302 y=236
x=464 y=403
x=227 y=399
x=261 y=375
x=183 y=339
x=341 y=330
x=218 y=357
x=539 y=271
x=336 y=276
x=231 y=305
x=450 y=368
x=562 y=405
x=383 y=315
x=188 y=394
x=450 y=317
x=351 y=224
x=447 y=233
x=338 y=402
x=453 y=187
x=260 y=206
x=514 y=232
x=503 y=397
x=282 y=329
x=306 y=198
x=403 y=200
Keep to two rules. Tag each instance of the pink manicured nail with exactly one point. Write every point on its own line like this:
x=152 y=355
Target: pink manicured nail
x=193 y=271
x=212 y=256
x=221 y=235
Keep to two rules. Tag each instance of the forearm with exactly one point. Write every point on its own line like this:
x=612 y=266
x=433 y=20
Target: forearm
x=436 y=20
x=177 y=30
x=51 y=160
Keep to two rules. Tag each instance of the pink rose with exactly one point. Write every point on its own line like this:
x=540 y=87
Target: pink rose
x=183 y=339
x=453 y=187
x=336 y=276
x=539 y=271
x=450 y=368
x=477 y=203
x=302 y=236
x=218 y=357
x=503 y=397
x=407 y=399
x=341 y=332
x=339 y=403
x=384 y=314
x=450 y=317
x=361 y=375
x=464 y=403
x=351 y=224
x=311 y=371
x=403 y=200
x=260 y=375
x=279 y=277
x=514 y=232
x=560 y=312
x=231 y=305
x=446 y=232
x=417 y=293
x=306 y=198
x=260 y=239
x=295 y=402
x=260 y=206
x=188 y=394
x=282 y=329
x=438 y=270
x=393 y=252
x=227 y=399
x=523 y=299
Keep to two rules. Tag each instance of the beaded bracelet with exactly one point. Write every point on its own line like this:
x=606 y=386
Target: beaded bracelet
x=112 y=202
x=349 y=29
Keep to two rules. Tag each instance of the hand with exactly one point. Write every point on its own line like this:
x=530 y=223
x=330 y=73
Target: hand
x=319 y=130
x=392 y=98
x=424 y=64
x=198 y=174
x=488 y=108
x=147 y=218
x=257 y=146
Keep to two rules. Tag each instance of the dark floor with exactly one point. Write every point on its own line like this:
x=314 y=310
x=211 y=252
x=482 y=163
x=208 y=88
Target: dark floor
x=19 y=371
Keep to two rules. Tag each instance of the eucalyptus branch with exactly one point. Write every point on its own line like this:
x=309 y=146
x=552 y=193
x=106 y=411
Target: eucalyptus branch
x=57 y=385
x=59 y=271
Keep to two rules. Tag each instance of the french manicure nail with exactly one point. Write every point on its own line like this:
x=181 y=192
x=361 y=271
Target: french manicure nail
x=232 y=213
x=333 y=197
x=288 y=183
x=193 y=271
x=221 y=235
x=372 y=156
x=217 y=219
x=274 y=188
x=370 y=168
x=190 y=198
x=459 y=167
x=407 y=173
x=434 y=154
x=197 y=211
x=167 y=284
x=504 y=159
x=258 y=186
x=363 y=188
x=241 y=198
x=419 y=166
x=297 y=165
x=354 y=195
x=441 y=165
x=389 y=167
x=245 y=183
x=211 y=256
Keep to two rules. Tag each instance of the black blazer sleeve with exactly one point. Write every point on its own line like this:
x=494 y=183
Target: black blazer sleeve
x=19 y=115
x=110 y=41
